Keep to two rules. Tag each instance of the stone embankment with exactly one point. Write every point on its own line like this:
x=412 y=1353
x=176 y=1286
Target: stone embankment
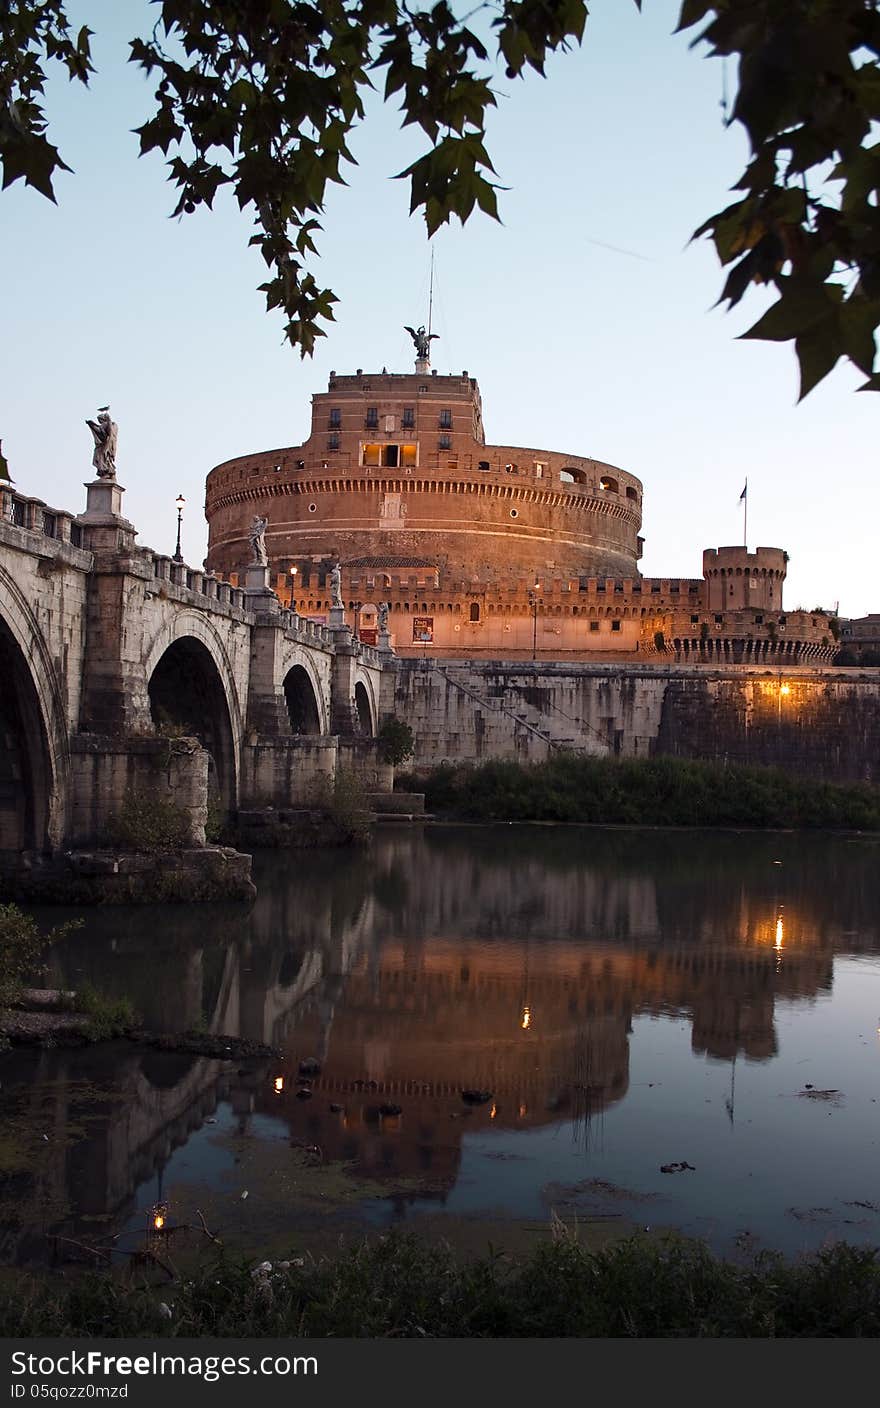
x=112 y=877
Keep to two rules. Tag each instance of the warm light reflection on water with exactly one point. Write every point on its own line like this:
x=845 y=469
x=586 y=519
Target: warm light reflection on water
x=610 y=1003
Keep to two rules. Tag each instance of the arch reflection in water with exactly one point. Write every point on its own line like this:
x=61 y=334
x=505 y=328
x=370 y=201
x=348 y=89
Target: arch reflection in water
x=517 y=964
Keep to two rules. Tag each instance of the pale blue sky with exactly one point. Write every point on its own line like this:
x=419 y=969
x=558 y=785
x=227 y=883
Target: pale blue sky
x=576 y=347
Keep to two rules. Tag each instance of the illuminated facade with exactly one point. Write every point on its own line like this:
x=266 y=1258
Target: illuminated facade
x=482 y=549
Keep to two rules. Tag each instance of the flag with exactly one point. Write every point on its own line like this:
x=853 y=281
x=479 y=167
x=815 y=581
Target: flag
x=745 y=491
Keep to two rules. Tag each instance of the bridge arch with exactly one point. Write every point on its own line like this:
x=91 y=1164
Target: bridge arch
x=365 y=704
x=302 y=700
x=305 y=693
x=34 y=763
x=191 y=684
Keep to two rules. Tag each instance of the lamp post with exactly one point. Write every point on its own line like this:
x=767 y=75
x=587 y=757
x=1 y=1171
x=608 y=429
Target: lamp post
x=180 y=501
x=533 y=603
x=292 y=571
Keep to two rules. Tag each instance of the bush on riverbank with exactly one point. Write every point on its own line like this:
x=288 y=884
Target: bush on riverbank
x=403 y=1287
x=649 y=792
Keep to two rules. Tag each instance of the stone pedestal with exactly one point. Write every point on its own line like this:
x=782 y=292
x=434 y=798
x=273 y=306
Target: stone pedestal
x=259 y=595
x=336 y=619
x=103 y=500
x=383 y=643
x=256 y=577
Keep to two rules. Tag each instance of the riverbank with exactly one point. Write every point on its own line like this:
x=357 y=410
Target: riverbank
x=644 y=792
x=402 y=1286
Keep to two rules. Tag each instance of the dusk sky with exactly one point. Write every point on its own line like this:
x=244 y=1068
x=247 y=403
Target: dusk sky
x=577 y=346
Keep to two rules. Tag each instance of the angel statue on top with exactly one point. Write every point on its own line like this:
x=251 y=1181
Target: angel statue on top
x=422 y=341
x=104 y=432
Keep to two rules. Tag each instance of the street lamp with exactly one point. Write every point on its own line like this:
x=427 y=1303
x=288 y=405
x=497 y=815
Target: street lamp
x=292 y=571
x=533 y=603
x=180 y=501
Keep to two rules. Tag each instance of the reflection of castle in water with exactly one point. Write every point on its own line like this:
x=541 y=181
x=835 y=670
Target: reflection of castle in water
x=510 y=962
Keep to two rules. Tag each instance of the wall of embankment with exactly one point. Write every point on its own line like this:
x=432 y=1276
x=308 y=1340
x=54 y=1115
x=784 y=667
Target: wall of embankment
x=823 y=723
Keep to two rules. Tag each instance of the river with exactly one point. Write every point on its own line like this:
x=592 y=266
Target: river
x=660 y=1029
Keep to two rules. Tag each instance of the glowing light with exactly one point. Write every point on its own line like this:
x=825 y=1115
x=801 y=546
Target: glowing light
x=785 y=689
x=522 y=1108
x=779 y=932
x=494 y=1111
x=159 y=1219
x=278 y=1084
x=526 y=1020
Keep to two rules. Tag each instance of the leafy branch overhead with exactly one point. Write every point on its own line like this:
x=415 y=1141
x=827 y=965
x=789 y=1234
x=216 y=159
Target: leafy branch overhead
x=262 y=96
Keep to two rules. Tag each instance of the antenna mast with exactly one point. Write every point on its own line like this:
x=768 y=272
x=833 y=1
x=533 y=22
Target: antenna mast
x=431 y=295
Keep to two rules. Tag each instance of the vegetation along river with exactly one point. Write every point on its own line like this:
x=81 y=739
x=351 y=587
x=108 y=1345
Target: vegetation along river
x=663 y=1029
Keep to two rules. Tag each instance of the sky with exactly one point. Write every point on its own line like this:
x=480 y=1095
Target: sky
x=616 y=353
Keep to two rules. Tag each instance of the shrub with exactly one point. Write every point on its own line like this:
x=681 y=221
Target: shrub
x=395 y=740
x=657 y=791
x=108 y=1016
x=148 y=822
x=21 y=945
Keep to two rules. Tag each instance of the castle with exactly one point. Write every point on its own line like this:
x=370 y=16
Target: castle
x=484 y=551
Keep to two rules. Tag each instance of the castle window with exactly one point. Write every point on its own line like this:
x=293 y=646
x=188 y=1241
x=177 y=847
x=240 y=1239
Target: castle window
x=609 y=485
x=333 y=442
x=484 y=465
x=371 y=454
x=408 y=419
x=615 y=625
x=594 y=625
x=695 y=620
x=539 y=469
x=335 y=418
x=759 y=621
x=719 y=620
x=408 y=455
x=372 y=418
x=445 y=442
x=631 y=494
x=445 y=420
x=390 y=456
x=475 y=611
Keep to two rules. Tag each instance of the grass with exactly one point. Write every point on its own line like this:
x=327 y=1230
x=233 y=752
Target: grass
x=399 y=1286
x=108 y=1017
x=657 y=791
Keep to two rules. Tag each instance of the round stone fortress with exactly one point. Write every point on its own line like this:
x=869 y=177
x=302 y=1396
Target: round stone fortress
x=482 y=550
x=396 y=472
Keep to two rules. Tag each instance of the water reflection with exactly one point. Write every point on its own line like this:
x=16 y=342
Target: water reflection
x=513 y=962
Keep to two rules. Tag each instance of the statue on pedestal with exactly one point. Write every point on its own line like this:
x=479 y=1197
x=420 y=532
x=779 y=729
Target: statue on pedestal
x=383 y=616
x=336 y=586
x=422 y=341
x=257 y=537
x=104 y=432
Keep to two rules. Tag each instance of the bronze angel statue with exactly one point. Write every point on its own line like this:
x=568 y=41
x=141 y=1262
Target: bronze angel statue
x=422 y=340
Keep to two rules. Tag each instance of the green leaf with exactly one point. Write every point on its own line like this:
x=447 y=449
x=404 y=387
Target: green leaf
x=798 y=309
x=818 y=352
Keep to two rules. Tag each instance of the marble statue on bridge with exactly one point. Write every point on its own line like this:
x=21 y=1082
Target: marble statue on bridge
x=336 y=586
x=257 y=537
x=104 y=432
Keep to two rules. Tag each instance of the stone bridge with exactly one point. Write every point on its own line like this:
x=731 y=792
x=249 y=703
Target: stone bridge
x=115 y=658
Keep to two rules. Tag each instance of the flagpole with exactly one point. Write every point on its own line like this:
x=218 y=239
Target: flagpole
x=746 y=515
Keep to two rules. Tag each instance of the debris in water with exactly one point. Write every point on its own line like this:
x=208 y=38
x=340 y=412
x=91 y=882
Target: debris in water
x=677 y=1167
